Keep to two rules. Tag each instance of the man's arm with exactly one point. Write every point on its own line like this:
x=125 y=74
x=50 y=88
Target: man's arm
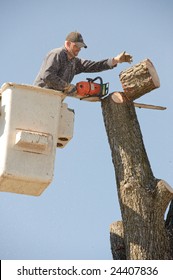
x=106 y=64
x=49 y=73
x=89 y=66
x=53 y=81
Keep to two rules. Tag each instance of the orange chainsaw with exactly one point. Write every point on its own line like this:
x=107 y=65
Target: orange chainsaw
x=87 y=89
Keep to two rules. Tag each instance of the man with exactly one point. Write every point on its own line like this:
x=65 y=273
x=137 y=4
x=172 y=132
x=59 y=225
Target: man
x=62 y=64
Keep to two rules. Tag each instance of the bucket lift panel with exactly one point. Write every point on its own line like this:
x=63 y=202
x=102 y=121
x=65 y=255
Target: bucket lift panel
x=29 y=126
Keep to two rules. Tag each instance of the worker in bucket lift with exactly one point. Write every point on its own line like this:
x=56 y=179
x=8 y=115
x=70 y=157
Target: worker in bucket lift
x=62 y=64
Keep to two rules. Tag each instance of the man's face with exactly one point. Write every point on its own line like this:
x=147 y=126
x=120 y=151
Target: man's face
x=74 y=49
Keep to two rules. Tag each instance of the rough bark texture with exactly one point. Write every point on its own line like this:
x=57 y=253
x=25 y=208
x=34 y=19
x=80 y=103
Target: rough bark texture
x=169 y=225
x=139 y=79
x=143 y=198
x=117 y=241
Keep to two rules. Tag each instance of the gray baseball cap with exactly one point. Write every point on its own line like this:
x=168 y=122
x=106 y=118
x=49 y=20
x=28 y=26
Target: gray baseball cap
x=76 y=38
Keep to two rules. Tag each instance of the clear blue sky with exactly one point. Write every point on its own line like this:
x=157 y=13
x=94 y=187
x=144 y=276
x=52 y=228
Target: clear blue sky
x=71 y=219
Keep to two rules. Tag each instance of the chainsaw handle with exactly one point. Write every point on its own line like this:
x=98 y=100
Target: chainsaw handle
x=93 y=80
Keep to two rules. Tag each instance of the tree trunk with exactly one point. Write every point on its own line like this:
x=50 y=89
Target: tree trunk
x=143 y=198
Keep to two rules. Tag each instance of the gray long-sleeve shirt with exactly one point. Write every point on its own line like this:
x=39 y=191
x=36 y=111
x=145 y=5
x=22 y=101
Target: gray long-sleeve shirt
x=57 y=71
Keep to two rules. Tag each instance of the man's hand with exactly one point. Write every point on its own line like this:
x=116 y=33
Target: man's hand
x=122 y=57
x=70 y=90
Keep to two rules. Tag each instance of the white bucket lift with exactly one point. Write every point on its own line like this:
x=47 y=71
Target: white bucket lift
x=33 y=123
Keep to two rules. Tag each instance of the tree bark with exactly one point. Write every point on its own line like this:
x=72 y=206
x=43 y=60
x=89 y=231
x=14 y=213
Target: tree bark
x=139 y=79
x=117 y=241
x=143 y=198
